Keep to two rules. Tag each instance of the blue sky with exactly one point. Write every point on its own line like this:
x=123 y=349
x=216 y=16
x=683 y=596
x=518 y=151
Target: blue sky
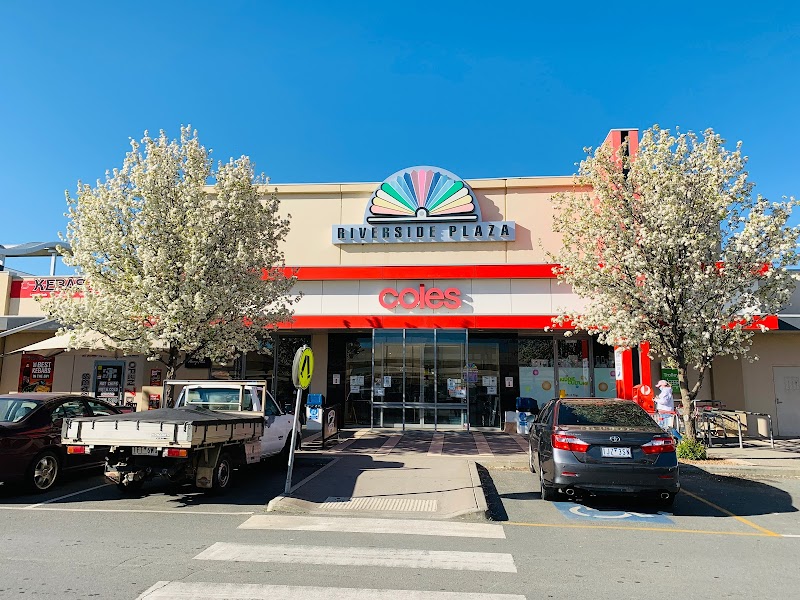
x=354 y=91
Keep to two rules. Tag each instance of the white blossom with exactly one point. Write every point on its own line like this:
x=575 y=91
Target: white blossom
x=672 y=248
x=174 y=271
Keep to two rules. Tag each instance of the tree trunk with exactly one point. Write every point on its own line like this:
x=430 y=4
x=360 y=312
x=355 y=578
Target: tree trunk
x=686 y=402
x=172 y=368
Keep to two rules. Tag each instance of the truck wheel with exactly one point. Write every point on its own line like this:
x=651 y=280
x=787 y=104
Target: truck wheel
x=43 y=471
x=223 y=473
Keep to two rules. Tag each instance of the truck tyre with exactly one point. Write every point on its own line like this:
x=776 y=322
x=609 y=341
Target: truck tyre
x=43 y=471
x=223 y=474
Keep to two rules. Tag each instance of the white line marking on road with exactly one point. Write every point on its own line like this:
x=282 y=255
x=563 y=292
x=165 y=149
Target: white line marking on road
x=97 y=487
x=200 y=590
x=383 y=526
x=436 y=444
x=390 y=443
x=376 y=557
x=357 y=435
x=481 y=443
x=790 y=535
x=127 y=510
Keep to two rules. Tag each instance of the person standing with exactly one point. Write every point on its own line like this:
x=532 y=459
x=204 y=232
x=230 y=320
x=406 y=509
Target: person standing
x=665 y=405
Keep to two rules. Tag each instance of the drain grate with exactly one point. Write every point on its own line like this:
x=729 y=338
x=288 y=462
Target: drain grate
x=378 y=504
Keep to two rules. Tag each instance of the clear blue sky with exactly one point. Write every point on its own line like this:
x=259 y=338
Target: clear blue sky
x=353 y=91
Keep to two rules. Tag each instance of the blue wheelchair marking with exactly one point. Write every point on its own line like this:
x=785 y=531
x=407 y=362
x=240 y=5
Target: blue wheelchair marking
x=582 y=513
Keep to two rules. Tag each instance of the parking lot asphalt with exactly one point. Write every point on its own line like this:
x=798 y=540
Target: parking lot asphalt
x=252 y=488
x=708 y=504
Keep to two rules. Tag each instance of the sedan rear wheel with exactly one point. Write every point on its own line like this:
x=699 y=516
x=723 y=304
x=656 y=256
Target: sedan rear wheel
x=548 y=493
x=43 y=472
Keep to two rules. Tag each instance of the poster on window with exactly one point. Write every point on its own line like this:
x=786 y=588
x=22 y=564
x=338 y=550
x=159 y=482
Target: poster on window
x=156 y=377
x=108 y=381
x=36 y=373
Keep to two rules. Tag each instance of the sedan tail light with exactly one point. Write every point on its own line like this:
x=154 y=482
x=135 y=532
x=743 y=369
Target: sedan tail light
x=659 y=444
x=563 y=441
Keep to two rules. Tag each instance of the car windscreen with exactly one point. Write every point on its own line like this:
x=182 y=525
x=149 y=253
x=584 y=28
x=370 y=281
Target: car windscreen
x=16 y=409
x=213 y=398
x=608 y=414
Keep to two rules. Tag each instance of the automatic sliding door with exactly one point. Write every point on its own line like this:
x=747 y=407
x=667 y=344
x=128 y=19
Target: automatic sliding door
x=451 y=384
x=388 y=386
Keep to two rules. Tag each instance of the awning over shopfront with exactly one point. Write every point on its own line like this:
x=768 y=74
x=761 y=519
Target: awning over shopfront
x=60 y=343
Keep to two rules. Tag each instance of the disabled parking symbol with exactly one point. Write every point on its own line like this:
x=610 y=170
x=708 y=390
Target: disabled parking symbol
x=581 y=512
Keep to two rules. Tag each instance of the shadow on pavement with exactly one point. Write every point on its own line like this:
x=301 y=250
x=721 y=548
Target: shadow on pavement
x=742 y=497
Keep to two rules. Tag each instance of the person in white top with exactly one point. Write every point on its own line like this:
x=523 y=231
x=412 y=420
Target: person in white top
x=665 y=404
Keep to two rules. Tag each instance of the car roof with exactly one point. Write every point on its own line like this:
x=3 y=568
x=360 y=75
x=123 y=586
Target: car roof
x=43 y=397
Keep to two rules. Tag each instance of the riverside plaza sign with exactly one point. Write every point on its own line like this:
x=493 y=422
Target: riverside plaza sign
x=423 y=204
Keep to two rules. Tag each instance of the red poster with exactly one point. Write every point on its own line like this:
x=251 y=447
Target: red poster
x=155 y=377
x=36 y=373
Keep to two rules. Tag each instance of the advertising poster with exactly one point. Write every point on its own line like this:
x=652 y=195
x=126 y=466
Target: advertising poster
x=156 y=377
x=537 y=383
x=605 y=382
x=108 y=381
x=574 y=382
x=36 y=373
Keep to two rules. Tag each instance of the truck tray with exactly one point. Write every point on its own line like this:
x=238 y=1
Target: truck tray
x=174 y=427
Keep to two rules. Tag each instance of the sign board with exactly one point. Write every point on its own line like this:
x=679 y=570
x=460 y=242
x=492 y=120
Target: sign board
x=671 y=377
x=36 y=373
x=302 y=368
x=423 y=204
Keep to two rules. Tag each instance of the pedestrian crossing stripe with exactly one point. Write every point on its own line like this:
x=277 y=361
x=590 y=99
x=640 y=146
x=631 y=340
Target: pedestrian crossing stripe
x=352 y=556
x=203 y=590
x=379 y=526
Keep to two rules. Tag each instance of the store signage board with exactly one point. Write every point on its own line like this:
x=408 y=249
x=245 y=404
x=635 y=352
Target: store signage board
x=423 y=204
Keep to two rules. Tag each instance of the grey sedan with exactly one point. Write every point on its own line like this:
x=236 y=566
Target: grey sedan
x=601 y=445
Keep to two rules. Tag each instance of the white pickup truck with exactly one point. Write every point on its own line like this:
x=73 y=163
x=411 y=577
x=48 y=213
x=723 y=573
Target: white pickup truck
x=215 y=427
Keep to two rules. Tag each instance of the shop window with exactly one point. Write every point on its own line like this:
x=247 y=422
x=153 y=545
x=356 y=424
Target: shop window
x=605 y=384
x=537 y=378
x=573 y=367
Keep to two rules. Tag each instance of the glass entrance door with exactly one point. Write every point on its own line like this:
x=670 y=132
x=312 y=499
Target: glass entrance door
x=418 y=378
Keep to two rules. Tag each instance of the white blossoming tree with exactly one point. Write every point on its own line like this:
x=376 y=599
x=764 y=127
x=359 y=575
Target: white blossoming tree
x=172 y=271
x=670 y=247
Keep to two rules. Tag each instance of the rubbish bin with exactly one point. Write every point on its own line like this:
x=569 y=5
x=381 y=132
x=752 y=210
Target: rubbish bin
x=527 y=408
x=314 y=412
x=757 y=426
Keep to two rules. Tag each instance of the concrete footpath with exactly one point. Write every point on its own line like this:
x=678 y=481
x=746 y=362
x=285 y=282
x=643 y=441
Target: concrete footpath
x=427 y=475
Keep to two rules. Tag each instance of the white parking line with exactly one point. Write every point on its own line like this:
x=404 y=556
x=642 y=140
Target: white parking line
x=383 y=526
x=202 y=590
x=374 y=557
x=97 y=487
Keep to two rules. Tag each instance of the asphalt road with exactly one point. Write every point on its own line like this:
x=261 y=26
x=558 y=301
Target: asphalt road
x=727 y=538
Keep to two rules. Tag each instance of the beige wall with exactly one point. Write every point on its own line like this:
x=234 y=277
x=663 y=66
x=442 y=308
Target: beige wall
x=316 y=208
x=775 y=349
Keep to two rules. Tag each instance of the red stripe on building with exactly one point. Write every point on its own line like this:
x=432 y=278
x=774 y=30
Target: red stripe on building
x=533 y=271
x=421 y=322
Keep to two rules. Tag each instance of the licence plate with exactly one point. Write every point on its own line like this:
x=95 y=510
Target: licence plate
x=144 y=451
x=615 y=452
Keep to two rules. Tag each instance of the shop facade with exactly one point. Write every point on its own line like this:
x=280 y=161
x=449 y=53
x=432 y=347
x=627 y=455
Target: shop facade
x=428 y=301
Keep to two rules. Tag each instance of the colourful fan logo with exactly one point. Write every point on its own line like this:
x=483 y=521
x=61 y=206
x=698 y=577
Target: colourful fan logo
x=423 y=194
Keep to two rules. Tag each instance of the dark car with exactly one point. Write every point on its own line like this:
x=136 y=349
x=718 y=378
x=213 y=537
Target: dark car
x=30 y=437
x=585 y=446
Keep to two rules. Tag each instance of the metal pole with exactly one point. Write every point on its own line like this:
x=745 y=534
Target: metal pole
x=739 y=424
x=53 y=264
x=294 y=441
